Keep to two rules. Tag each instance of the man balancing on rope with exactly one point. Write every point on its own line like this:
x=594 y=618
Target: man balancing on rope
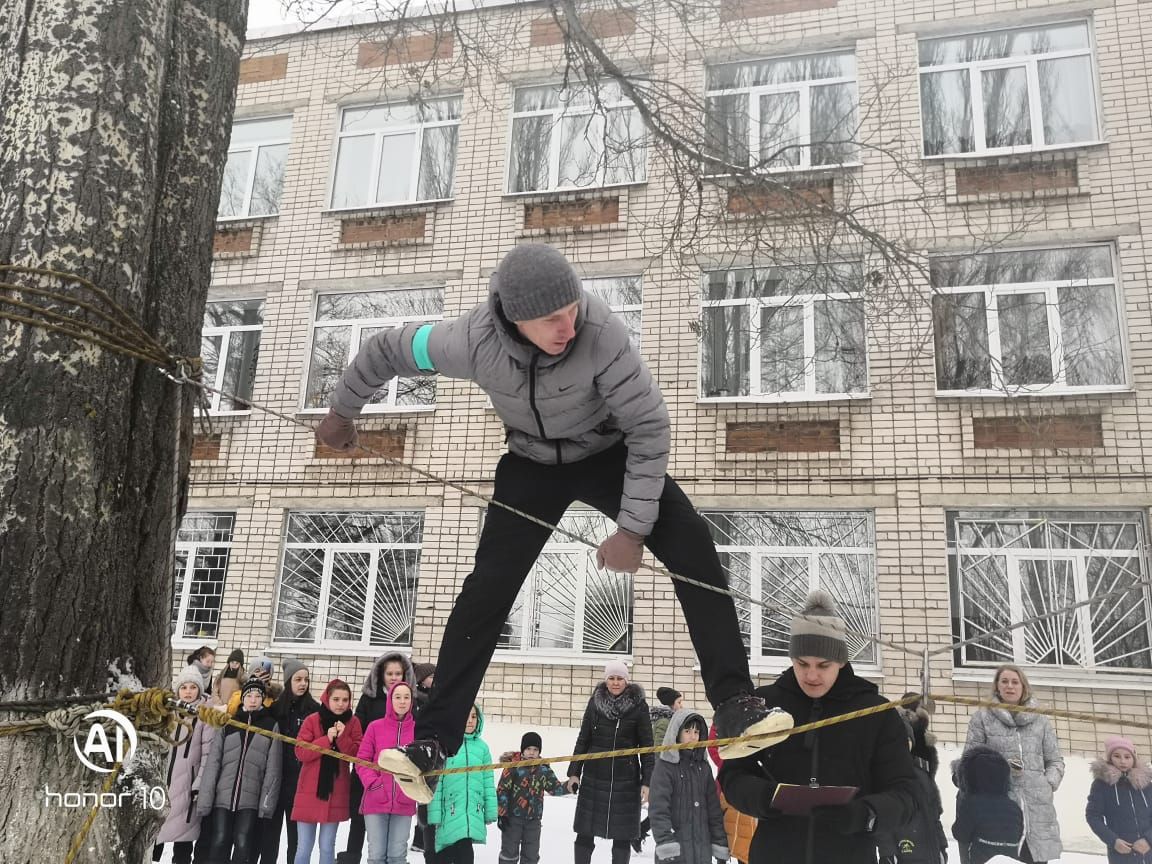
x=585 y=422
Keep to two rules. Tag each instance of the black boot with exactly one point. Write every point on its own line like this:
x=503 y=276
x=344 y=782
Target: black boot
x=410 y=763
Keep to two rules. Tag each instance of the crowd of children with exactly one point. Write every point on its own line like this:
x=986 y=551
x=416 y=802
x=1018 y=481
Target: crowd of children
x=231 y=790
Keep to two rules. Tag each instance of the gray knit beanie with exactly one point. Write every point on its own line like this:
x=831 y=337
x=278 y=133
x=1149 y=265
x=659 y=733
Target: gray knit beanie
x=291 y=666
x=818 y=631
x=534 y=280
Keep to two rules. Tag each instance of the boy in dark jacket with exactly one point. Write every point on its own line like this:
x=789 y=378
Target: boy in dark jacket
x=1119 y=808
x=520 y=802
x=586 y=422
x=988 y=822
x=870 y=753
x=684 y=807
x=921 y=841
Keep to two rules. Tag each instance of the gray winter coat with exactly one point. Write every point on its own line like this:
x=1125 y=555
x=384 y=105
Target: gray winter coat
x=1031 y=739
x=186 y=764
x=683 y=806
x=556 y=409
x=243 y=768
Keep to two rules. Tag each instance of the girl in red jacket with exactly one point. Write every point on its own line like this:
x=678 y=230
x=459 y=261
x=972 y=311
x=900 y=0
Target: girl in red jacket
x=321 y=802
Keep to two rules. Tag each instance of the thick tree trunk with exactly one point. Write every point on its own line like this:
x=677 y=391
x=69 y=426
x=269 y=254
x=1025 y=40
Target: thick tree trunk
x=114 y=123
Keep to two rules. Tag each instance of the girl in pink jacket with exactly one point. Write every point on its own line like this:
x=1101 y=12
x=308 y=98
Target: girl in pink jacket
x=387 y=811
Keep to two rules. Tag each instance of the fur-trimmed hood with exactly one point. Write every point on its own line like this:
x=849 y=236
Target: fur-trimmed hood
x=923 y=740
x=373 y=683
x=672 y=735
x=1140 y=776
x=615 y=707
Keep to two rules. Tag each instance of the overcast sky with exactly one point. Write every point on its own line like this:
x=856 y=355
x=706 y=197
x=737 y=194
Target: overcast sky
x=270 y=13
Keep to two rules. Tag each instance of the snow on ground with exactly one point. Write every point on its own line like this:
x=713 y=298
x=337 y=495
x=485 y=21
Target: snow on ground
x=556 y=846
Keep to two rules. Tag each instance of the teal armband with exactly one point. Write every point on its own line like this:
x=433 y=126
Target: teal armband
x=420 y=348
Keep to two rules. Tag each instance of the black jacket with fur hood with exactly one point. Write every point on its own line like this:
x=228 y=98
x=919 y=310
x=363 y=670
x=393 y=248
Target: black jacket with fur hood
x=373 y=702
x=1120 y=806
x=609 y=802
x=988 y=822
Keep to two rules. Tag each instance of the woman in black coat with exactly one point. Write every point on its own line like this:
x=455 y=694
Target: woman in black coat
x=611 y=790
x=870 y=753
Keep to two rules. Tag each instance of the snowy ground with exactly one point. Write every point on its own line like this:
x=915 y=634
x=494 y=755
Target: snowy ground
x=1082 y=845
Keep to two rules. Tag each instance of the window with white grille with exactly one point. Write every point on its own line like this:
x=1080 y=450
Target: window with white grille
x=203 y=546
x=230 y=347
x=1012 y=565
x=567 y=605
x=349 y=579
x=779 y=556
x=342 y=323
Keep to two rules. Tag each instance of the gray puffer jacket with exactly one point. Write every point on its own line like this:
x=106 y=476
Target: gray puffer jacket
x=683 y=806
x=556 y=409
x=1030 y=739
x=243 y=768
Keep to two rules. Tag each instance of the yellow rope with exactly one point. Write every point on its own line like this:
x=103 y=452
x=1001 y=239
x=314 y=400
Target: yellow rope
x=1047 y=712
x=78 y=841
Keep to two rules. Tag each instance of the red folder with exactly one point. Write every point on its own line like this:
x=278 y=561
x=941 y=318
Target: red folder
x=799 y=800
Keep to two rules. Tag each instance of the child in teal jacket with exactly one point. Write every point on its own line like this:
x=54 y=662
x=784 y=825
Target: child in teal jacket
x=464 y=804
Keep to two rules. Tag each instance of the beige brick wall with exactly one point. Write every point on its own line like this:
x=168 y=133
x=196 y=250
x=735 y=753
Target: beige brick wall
x=906 y=454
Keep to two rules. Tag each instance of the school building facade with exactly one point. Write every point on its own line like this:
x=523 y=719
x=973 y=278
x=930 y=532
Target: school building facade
x=972 y=452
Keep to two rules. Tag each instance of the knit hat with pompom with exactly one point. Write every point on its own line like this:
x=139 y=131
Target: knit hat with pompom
x=818 y=631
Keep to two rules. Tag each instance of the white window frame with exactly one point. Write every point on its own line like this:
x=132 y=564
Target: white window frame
x=1050 y=289
x=804 y=89
x=379 y=133
x=620 y=309
x=1014 y=557
x=221 y=367
x=254 y=149
x=756 y=553
x=189 y=548
x=1035 y=108
x=755 y=305
x=561 y=545
x=338 y=646
x=562 y=110
x=358 y=326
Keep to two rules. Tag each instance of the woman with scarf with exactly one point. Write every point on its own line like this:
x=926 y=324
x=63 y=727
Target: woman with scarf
x=291 y=708
x=611 y=790
x=322 y=792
